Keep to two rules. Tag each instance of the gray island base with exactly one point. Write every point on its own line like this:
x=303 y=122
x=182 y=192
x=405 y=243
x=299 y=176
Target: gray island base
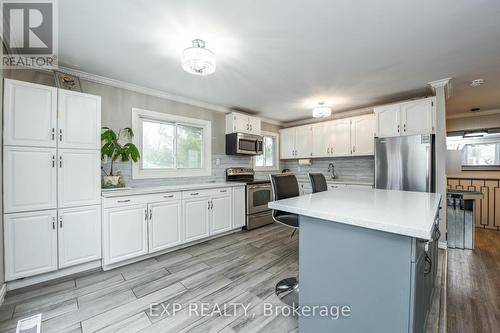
x=382 y=280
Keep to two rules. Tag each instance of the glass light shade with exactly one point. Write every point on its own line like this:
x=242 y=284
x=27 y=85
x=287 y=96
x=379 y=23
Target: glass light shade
x=322 y=111
x=198 y=60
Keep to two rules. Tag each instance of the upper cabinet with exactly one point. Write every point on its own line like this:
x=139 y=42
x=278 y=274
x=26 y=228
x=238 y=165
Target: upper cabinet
x=79 y=120
x=242 y=123
x=43 y=116
x=30 y=114
x=407 y=118
x=341 y=137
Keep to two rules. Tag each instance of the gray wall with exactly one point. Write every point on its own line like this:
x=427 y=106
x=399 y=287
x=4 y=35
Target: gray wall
x=477 y=122
x=361 y=169
x=117 y=104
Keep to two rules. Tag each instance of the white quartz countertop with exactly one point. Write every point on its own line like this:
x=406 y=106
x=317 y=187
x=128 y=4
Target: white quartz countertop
x=405 y=213
x=167 y=188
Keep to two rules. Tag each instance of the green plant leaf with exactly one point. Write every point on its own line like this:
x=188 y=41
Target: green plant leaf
x=108 y=135
x=129 y=131
x=108 y=149
x=132 y=151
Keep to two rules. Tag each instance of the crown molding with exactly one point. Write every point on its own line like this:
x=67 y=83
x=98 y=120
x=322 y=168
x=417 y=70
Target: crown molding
x=337 y=115
x=445 y=83
x=473 y=114
x=152 y=92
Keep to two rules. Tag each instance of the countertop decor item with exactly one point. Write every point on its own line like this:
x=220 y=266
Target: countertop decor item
x=116 y=146
x=67 y=81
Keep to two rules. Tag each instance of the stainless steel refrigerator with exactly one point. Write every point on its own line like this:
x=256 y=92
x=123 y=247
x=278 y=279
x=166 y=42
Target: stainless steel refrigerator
x=405 y=163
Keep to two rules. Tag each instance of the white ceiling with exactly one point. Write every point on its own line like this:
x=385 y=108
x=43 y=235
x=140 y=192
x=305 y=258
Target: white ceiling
x=279 y=57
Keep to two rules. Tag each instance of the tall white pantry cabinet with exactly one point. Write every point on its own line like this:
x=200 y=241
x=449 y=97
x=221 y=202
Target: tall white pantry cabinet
x=51 y=176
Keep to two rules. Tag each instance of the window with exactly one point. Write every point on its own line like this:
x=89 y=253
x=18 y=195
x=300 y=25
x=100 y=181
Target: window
x=269 y=160
x=170 y=145
x=481 y=156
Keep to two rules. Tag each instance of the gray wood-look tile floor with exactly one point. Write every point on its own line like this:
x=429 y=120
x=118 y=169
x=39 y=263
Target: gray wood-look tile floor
x=239 y=268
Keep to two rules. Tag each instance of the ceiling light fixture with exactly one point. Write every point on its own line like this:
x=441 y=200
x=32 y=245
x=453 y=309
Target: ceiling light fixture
x=476 y=82
x=321 y=111
x=198 y=60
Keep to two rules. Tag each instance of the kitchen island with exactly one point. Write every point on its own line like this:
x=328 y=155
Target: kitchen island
x=371 y=252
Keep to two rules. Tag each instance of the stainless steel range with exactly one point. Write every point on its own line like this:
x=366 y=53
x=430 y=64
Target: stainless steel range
x=258 y=194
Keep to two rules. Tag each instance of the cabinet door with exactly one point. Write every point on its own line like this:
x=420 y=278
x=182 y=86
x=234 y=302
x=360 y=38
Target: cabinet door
x=387 y=121
x=320 y=135
x=287 y=143
x=362 y=135
x=239 y=207
x=125 y=233
x=417 y=117
x=164 y=225
x=303 y=142
x=79 y=177
x=29 y=114
x=79 y=235
x=195 y=213
x=241 y=124
x=79 y=120
x=220 y=219
x=341 y=137
x=30 y=244
x=254 y=125
x=29 y=179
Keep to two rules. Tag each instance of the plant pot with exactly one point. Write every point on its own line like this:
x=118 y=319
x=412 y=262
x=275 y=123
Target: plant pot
x=113 y=181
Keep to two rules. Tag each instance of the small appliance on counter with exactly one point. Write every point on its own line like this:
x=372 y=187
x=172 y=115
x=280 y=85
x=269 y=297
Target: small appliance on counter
x=258 y=194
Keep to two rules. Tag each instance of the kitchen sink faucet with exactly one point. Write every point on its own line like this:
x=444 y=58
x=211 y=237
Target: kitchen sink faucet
x=331 y=170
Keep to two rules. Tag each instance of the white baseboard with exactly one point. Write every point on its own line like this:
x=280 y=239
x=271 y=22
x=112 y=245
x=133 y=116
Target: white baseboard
x=3 y=291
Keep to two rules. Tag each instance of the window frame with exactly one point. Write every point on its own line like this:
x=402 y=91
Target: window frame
x=276 y=153
x=478 y=167
x=138 y=115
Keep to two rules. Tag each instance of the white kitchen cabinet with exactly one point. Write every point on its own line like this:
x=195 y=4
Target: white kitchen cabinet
x=165 y=225
x=220 y=212
x=362 y=135
x=79 y=120
x=29 y=114
x=79 y=235
x=287 y=143
x=196 y=216
x=125 y=233
x=340 y=135
x=242 y=123
x=417 y=117
x=321 y=144
x=407 y=118
x=303 y=141
x=79 y=179
x=239 y=207
x=29 y=179
x=30 y=244
x=388 y=119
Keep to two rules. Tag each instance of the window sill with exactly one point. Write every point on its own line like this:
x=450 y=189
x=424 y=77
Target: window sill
x=151 y=174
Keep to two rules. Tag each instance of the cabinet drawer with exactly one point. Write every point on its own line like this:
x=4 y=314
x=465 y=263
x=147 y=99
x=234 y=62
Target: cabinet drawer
x=124 y=201
x=165 y=196
x=204 y=193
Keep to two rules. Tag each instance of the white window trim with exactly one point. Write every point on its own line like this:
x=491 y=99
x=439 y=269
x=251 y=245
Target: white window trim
x=139 y=173
x=276 y=154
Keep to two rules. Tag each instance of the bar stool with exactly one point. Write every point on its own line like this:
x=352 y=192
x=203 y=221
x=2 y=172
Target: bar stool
x=318 y=182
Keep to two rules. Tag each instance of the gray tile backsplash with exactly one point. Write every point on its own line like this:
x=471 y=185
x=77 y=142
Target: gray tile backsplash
x=361 y=169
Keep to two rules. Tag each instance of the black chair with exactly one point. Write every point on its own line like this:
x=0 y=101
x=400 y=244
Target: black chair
x=286 y=186
x=318 y=182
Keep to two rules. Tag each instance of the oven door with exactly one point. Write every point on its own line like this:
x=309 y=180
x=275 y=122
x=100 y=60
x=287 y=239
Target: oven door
x=258 y=196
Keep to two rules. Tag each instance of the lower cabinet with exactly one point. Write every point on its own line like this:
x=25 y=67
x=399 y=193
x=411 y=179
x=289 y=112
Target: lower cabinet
x=239 y=207
x=30 y=244
x=125 y=233
x=196 y=214
x=44 y=241
x=164 y=225
x=79 y=235
x=220 y=213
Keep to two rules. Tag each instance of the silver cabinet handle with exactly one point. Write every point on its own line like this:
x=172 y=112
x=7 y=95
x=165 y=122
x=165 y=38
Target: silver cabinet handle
x=53 y=223
x=150 y=214
x=328 y=150
x=194 y=193
x=53 y=133
x=60 y=221
x=211 y=204
x=223 y=191
x=353 y=149
x=168 y=196
x=404 y=128
x=60 y=161
x=60 y=134
x=53 y=161
x=208 y=202
x=398 y=128
x=122 y=201
x=145 y=214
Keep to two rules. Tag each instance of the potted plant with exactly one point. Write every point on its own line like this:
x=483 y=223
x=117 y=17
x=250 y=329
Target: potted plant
x=117 y=147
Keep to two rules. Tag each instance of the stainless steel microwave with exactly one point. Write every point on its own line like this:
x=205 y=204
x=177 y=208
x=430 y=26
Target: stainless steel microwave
x=243 y=144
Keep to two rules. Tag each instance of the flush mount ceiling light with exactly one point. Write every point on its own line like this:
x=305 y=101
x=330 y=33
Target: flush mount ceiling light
x=476 y=82
x=321 y=111
x=198 y=60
